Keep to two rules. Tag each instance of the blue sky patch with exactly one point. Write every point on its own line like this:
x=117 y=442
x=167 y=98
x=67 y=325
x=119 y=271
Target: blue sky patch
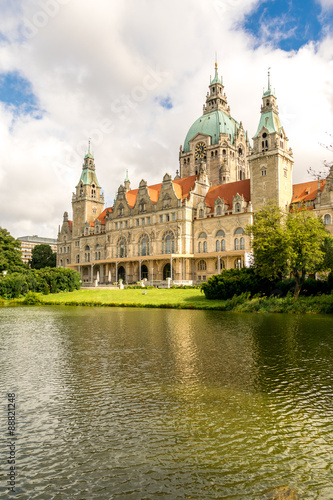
x=165 y=102
x=288 y=24
x=16 y=92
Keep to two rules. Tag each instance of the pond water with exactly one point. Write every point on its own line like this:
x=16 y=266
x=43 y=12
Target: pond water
x=141 y=404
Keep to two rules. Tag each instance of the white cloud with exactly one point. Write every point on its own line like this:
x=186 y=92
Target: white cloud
x=99 y=71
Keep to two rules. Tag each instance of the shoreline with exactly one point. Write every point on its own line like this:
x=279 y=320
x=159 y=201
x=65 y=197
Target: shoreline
x=192 y=299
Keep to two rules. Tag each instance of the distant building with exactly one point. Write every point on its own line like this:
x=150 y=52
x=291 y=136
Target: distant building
x=29 y=242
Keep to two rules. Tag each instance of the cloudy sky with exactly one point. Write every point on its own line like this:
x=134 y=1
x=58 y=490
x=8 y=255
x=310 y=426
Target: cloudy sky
x=133 y=75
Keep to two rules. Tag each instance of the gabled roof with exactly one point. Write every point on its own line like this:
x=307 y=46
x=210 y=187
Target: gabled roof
x=102 y=216
x=181 y=187
x=227 y=192
x=306 y=191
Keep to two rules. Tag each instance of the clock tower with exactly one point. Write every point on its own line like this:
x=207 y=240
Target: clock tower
x=217 y=139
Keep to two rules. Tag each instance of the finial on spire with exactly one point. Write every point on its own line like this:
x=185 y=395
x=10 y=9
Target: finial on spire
x=269 y=79
x=89 y=145
x=126 y=178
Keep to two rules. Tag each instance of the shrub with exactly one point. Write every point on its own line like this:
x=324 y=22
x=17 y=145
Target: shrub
x=32 y=298
x=235 y=282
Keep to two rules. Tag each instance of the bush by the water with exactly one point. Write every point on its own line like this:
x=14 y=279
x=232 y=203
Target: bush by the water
x=235 y=282
x=44 y=281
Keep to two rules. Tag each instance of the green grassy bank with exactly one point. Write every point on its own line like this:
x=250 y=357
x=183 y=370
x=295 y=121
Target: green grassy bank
x=181 y=299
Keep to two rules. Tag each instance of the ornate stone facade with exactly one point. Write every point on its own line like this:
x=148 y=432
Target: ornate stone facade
x=193 y=225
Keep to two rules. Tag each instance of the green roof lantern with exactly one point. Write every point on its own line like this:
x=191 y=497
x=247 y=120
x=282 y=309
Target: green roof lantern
x=216 y=78
x=89 y=155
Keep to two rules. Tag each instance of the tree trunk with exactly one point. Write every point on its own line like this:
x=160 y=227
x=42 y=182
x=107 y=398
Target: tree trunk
x=299 y=277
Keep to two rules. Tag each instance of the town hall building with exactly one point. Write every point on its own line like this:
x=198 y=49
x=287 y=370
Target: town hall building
x=192 y=225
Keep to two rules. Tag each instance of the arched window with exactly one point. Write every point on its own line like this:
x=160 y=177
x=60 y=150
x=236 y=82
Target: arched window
x=327 y=219
x=205 y=246
x=87 y=254
x=93 y=191
x=144 y=272
x=202 y=265
x=61 y=262
x=144 y=245
x=222 y=245
x=239 y=230
x=199 y=247
x=218 y=210
x=242 y=244
x=238 y=205
x=168 y=242
x=220 y=233
x=87 y=249
x=77 y=260
x=217 y=245
x=236 y=244
x=121 y=248
x=202 y=235
x=201 y=213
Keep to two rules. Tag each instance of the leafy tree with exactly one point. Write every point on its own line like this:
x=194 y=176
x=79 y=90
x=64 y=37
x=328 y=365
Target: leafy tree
x=306 y=239
x=269 y=242
x=42 y=256
x=10 y=253
x=293 y=243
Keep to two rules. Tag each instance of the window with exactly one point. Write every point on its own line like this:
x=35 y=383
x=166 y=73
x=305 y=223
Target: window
x=219 y=210
x=205 y=246
x=239 y=230
x=264 y=172
x=93 y=191
x=222 y=245
x=174 y=216
x=116 y=225
x=199 y=247
x=237 y=264
x=142 y=206
x=202 y=235
x=327 y=219
x=121 y=224
x=120 y=211
x=220 y=232
x=168 y=242
x=238 y=207
x=236 y=244
x=161 y=218
x=202 y=265
x=144 y=245
x=222 y=265
x=121 y=248
x=77 y=259
x=142 y=222
x=167 y=217
x=217 y=245
x=201 y=213
x=138 y=222
x=242 y=244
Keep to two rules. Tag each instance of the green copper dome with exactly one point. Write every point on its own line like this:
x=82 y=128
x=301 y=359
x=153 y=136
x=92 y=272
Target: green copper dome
x=215 y=123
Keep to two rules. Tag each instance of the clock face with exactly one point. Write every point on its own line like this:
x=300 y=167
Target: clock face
x=200 y=150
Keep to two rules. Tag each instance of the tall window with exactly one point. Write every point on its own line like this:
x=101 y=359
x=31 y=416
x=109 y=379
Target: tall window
x=236 y=244
x=144 y=245
x=168 y=242
x=202 y=265
x=121 y=248
x=242 y=244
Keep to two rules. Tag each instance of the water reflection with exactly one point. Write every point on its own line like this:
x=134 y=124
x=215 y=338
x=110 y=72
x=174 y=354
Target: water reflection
x=142 y=403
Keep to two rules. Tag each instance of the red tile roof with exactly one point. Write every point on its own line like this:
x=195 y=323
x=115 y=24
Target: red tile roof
x=102 y=216
x=182 y=189
x=227 y=192
x=306 y=191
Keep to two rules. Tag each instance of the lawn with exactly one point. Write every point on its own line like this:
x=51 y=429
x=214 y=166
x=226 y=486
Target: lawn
x=188 y=298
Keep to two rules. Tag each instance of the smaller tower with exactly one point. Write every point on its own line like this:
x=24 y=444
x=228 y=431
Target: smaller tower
x=271 y=160
x=88 y=200
x=127 y=182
